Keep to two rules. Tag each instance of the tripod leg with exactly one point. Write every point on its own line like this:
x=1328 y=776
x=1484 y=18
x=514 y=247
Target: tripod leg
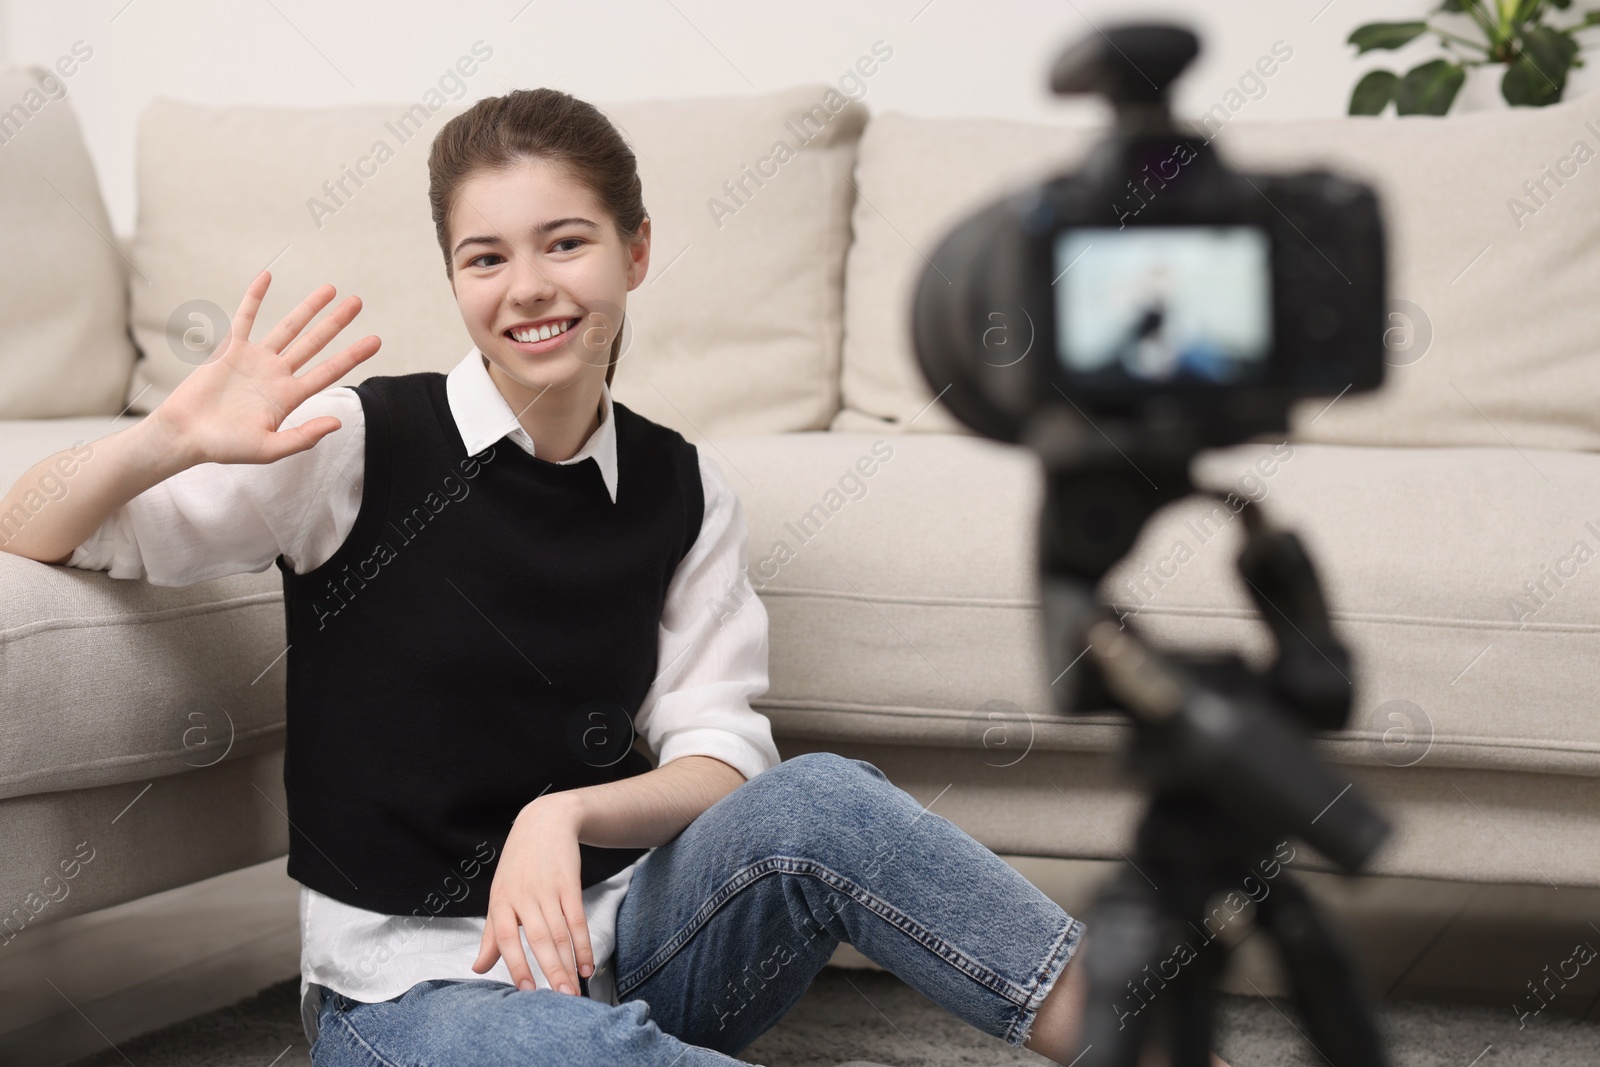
x=1122 y=942
x=1343 y=1025
x=1192 y=1009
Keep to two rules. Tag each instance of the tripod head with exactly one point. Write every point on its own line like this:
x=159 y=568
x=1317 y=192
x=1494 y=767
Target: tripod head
x=1203 y=724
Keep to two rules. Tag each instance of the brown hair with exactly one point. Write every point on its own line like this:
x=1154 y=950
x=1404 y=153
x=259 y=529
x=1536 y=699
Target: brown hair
x=547 y=124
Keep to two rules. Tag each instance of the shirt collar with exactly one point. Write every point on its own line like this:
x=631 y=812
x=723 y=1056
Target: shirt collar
x=483 y=417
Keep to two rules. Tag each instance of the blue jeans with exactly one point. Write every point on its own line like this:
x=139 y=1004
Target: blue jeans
x=723 y=928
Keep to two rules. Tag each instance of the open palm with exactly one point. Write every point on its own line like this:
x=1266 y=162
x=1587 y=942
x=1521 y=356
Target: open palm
x=228 y=409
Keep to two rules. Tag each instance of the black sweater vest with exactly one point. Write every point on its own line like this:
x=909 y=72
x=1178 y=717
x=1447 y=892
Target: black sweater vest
x=485 y=634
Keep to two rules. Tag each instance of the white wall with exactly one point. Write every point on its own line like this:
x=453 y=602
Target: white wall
x=950 y=56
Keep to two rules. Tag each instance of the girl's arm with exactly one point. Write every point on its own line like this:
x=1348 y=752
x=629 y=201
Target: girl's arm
x=643 y=811
x=226 y=410
x=713 y=653
x=696 y=717
x=216 y=519
x=62 y=499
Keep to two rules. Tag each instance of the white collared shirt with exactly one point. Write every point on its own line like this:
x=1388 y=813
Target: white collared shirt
x=215 y=519
x=488 y=418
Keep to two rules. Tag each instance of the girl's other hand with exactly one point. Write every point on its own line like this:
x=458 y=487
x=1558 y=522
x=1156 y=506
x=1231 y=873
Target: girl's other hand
x=539 y=885
x=229 y=408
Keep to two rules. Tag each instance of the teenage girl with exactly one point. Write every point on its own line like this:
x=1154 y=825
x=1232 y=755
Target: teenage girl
x=492 y=579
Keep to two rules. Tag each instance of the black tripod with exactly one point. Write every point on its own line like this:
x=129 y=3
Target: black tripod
x=1225 y=752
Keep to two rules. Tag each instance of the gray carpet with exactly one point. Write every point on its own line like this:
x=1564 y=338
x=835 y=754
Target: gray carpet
x=871 y=1015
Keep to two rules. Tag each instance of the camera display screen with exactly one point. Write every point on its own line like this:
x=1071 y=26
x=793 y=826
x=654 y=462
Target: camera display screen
x=1162 y=303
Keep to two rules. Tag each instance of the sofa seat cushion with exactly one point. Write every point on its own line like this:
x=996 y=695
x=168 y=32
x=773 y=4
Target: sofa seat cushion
x=898 y=575
x=903 y=604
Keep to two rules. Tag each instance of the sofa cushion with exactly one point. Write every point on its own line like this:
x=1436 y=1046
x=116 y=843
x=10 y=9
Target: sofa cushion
x=735 y=330
x=917 y=178
x=105 y=681
x=64 y=344
x=1492 y=325
x=904 y=605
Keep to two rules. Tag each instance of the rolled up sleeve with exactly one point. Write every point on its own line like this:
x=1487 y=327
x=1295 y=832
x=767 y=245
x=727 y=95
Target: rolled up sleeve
x=215 y=519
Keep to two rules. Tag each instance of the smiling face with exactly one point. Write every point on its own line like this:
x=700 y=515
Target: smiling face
x=541 y=276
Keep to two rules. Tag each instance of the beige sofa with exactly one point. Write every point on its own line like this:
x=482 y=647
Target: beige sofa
x=143 y=726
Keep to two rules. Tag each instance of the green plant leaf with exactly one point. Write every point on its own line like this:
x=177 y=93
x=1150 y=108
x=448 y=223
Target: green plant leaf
x=1373 y=92
x=1525 y=86
x=1589 y=20
x=1538 y=76
x=1385 y=35
x=1551 y=49
x=1429 y=89
x=1453 y=7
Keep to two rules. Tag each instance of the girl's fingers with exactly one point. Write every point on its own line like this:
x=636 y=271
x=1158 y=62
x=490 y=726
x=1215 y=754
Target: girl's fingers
x=298 y=438
x=583 y=951
x=302 y=348
x=338 y=365
x=510 y=945
x=549 y=948
x=291 y=324
x=488 y=951
x=244 y=319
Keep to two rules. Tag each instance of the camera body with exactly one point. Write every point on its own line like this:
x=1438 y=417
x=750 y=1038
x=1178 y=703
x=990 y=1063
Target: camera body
x=1155 y=291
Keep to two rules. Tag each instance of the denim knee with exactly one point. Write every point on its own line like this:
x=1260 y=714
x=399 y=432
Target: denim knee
x=826 y=764
x=816 y=775
x=818 y=800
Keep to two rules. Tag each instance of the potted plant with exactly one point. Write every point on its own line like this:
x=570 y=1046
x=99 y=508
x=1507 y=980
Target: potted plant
x=1515 y=34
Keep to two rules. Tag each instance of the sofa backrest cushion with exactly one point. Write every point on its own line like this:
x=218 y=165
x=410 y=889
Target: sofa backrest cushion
x=736 y=329
x=917 y=178
x=64 y=344
x=1494 y=254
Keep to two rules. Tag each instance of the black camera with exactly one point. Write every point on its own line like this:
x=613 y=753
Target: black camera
x=1163 y=292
